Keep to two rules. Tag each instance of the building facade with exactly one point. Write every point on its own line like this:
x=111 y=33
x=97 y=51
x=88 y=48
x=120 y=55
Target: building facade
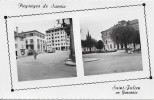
x=20 y=47
x=108 y=43
x=28 y=41
x=57 y=39
x=35 y=40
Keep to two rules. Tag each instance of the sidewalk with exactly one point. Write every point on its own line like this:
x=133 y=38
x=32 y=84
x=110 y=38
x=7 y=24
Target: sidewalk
x=70 y=62
x=30 y=55
x=90 y=59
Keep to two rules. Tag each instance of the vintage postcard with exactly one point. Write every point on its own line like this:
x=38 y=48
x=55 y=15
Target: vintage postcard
x=76 y=49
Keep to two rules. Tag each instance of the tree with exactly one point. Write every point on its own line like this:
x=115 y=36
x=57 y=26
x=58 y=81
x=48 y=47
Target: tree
x=94 y=42
x=89 y=41
x=68 y=28
x=100 y=45
x=84 y=43
x=123 y=35
x=136 y=39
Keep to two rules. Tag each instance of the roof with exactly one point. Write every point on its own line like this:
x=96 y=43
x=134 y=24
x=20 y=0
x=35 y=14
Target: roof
x=19 y=35
x=55 y=28
x=33 y=31
x=133 y=21
x=107 y=30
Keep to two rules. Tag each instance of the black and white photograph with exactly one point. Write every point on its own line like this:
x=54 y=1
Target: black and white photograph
x=111 y=42
x=45 y=49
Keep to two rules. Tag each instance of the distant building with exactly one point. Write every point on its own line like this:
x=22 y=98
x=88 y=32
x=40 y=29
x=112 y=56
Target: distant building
x=108 y=43
x=57 y=39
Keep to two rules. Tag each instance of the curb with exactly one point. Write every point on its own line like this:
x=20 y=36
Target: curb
x=90 y=59
x=70 y=62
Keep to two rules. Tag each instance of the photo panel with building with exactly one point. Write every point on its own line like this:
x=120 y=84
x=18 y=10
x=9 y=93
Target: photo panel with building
x=111 y=41
x=45 y=49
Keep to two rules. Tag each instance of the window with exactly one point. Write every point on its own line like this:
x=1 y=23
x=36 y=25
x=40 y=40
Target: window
x=22 y=46
x=37 y=40
x=31 y=41
x=31 y=34
x=21 y=39
x=110 y=46
x=26 y=41
x=16 y=45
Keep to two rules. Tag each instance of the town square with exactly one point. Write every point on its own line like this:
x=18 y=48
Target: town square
x=111 y=43
x=45 y=53
x=46 y=66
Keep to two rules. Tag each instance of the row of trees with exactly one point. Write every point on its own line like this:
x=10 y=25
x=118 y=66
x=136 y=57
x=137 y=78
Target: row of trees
x=90 y=42
x=125 y=35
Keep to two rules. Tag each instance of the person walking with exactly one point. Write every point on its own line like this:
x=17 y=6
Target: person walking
x=35 y=55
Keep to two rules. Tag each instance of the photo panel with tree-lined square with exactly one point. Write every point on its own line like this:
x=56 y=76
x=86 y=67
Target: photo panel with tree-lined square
x=111 y=42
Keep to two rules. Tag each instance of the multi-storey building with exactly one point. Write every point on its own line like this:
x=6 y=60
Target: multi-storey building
x=57 y=39
x=35 y=40
x=20 y=47
x=108 y=43
x=30 y=40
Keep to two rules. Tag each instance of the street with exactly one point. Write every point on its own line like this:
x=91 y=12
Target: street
x=46 y=66
x=113 y=62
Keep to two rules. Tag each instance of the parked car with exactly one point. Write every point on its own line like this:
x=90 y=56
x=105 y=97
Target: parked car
x=51 y=50
x=30 y=52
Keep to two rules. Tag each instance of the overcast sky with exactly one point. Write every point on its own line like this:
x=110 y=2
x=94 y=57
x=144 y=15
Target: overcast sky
x=102 y=20
x=95 y=21
x=40 y=26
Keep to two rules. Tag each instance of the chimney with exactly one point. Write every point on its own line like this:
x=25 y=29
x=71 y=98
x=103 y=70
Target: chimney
x=17 y=30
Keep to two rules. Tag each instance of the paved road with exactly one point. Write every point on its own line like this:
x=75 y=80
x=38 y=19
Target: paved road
x=112 y=63
x=46 y=66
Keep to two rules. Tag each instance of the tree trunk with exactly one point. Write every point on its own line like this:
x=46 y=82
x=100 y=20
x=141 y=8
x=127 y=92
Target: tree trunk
x=125 y=44
x=117 y=46
x=90 y=49
x=134 y=46
x=72 y=50
x=121 y=46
